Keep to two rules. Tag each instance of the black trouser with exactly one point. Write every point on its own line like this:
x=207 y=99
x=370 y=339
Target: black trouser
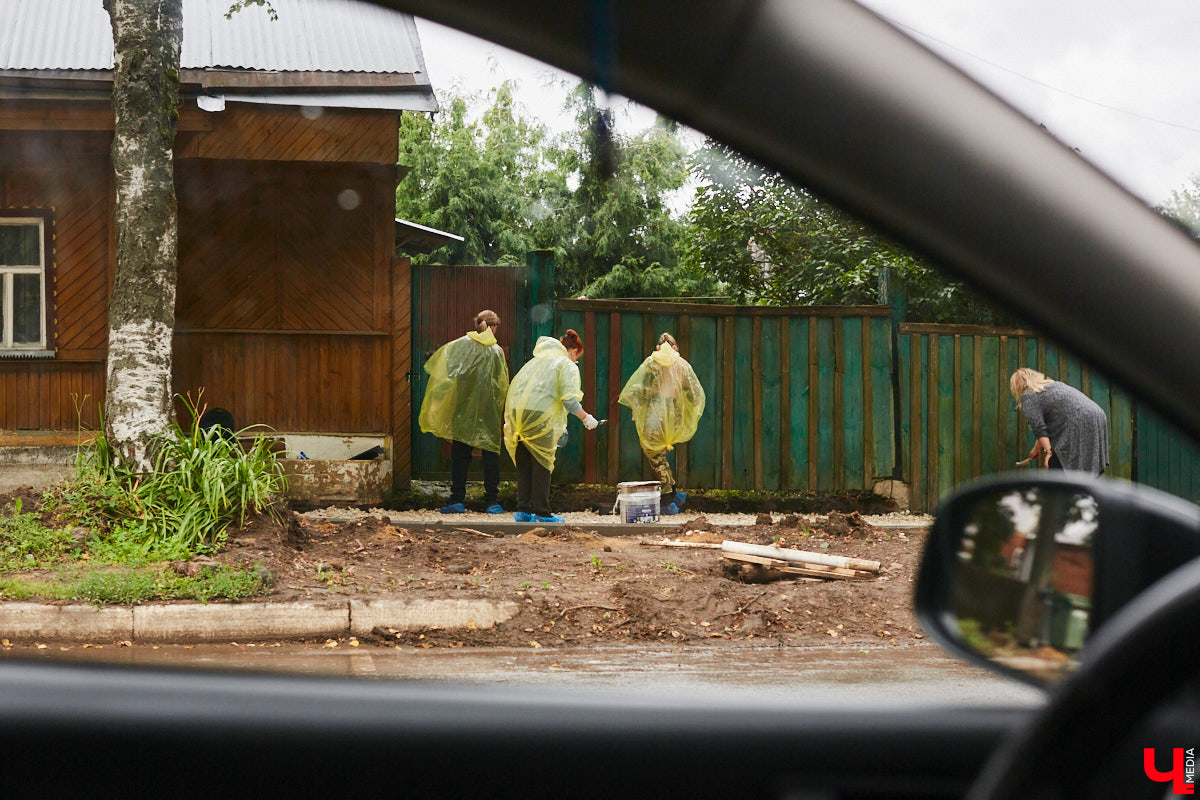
x=460 y=462
x=533 y=484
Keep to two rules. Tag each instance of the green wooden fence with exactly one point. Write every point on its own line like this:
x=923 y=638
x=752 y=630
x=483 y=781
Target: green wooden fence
x=798 y=398
x=810 y=398
x=957 y=418
x=1165 y=457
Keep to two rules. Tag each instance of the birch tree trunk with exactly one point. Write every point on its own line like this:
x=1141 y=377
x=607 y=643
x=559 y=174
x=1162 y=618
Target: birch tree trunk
x=141 y=319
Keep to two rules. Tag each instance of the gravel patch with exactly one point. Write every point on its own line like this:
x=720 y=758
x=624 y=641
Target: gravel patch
x=584 y=518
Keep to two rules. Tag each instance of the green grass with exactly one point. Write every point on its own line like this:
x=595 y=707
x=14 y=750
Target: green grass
x=114 y=532
x=124 y=585
x=26 y=544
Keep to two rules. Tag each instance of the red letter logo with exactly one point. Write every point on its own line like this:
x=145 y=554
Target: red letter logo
x=1176 y=775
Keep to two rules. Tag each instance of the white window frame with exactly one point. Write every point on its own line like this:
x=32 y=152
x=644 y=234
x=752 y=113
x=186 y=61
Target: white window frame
x=7 y=295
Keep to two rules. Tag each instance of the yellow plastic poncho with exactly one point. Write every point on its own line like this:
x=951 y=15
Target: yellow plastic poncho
x=666 y=399
x=464 y=401
x=534 y=413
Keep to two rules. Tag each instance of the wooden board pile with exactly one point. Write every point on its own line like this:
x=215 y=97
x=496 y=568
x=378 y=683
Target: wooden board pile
x=755 y=563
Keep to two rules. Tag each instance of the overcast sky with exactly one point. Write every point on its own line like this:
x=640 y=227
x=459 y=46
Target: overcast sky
x=457 y=60
x=1117 y=79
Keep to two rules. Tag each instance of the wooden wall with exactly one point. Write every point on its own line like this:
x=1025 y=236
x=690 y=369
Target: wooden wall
x=285 y=291
x=68 y=175
x=286 y=284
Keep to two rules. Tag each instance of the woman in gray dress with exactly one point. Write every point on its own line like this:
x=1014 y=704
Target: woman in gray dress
x=1071 y=430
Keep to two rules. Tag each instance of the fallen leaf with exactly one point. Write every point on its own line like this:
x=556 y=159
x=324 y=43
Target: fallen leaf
x=353 y=642
x=41 y=647
x=330 y=643
x=534 y=644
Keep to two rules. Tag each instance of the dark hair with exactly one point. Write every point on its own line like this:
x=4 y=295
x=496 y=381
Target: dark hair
x=571 y=340
x=669 y=339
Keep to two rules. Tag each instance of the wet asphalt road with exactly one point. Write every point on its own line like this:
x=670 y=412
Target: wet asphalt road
x=894 y=676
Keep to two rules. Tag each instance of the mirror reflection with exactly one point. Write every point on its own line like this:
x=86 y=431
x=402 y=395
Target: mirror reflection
x=1023 y=588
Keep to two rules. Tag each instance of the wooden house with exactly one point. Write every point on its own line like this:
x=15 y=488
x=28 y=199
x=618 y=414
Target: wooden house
x=293 y=308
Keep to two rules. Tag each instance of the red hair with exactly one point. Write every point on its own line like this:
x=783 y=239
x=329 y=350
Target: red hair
x=571 y=340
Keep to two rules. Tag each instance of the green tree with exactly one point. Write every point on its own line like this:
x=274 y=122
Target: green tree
x=483 y=179
x=617 y=213
x=774 y=243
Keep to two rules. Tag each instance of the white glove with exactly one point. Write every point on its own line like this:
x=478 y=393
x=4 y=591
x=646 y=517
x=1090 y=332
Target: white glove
x=590 y=422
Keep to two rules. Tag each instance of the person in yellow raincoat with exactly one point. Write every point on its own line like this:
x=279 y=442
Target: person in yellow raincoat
x=543 y=392
x=667 y=401
x=464 y=403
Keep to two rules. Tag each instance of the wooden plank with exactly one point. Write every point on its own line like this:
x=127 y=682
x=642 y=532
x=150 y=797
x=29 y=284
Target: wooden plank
x=703 y=352
x=800 y=556
x=785 y=404
x=839 y=406
x=956 y=398
x=933 y=425
x=916 y=437
x=727 y=372
x=684 y=338
x=744 y=382
x=938 y=328
x=703 y=309
x=614 y=391
x=852 y=404
x=977 y=409
x=756 y=409
x=868 y=407
x=632 y=353
x=1001 y=463
x=800 y=395
x=946 y=435
x=589 y=392
x=814 y=395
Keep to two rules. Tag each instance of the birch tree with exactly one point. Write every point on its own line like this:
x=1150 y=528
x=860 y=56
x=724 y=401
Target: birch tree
x=141 y=320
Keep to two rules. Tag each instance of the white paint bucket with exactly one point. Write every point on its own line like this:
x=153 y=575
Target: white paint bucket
x=637 y=501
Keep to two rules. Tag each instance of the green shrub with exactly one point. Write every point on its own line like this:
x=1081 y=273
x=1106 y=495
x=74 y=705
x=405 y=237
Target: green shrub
x=201 y=483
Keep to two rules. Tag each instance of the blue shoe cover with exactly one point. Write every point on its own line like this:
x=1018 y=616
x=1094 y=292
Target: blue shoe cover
x=670 y=510
x=551 y=518
x=495 y=508
x=454 y=508
x=522 y=516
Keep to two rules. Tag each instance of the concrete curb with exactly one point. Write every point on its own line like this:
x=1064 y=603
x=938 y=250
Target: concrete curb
x=195 y=622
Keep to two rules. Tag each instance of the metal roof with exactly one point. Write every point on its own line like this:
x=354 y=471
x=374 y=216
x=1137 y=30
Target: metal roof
x=308 y=36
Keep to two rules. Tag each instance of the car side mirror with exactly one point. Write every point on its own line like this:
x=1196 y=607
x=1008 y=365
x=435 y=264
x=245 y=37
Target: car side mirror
x=1019 y=571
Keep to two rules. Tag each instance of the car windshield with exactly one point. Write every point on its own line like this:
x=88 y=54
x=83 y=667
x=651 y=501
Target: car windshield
x=422 y=278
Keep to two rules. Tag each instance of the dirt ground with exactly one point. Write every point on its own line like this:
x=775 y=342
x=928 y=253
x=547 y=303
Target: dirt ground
x=575 y=585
